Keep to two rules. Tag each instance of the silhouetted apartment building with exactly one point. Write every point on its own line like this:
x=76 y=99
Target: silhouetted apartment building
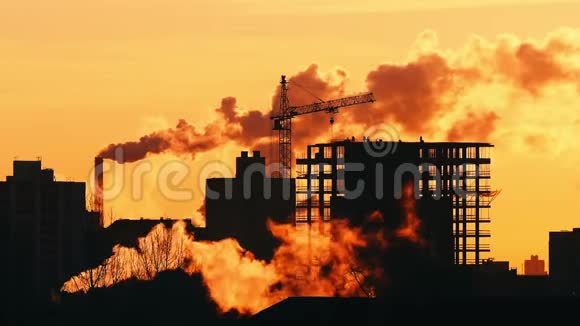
x=353 y=179
x=534 y=266
x=565 y=259
x=43 y=225
x=240 y=207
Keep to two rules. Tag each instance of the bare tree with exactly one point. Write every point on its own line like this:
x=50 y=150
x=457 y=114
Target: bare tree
x=162 y=249
x=362 y=282
x=87 y=280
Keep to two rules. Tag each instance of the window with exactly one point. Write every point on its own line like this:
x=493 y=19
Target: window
x=340 y=151
x=471 y=152
x=315 y=215
x=314 y=169
x=301 y=214
x=433 y=184
x=301 y=170
x=470 y=212
x=301 y=184
x=327 y=184
x=301 y=197
x=313 y=185
x=484 y=152
x=432 y=170
x=340 y=185
x=313 y=151
x=327 y=152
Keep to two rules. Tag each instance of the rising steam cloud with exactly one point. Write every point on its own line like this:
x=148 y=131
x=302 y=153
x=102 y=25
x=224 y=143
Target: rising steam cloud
x=334 y=259
x=306 y=264
x=247 y=128
x=456 y=95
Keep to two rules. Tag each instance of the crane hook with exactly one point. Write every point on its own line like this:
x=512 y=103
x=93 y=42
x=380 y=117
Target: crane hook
x=331 y=127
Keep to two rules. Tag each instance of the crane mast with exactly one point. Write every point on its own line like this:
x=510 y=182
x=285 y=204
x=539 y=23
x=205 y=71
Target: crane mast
x=283 y=121
x=284 y=127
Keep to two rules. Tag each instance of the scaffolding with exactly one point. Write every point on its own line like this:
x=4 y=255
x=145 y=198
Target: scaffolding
x=316 y=182
x=461 y=171
x=465 y=171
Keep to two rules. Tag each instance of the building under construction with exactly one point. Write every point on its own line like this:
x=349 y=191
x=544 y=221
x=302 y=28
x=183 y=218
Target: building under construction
x=352 y=179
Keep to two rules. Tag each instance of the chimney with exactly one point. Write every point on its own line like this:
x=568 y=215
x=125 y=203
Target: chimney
x=98 y=193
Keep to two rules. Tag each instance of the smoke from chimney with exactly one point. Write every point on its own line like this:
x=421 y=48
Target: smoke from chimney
x=98 y=193
x=184 y=139
x=433 y=93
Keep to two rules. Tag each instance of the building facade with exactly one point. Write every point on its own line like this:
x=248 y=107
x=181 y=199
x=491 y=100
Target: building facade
x=44 y=223
x=565 y=259
x=240 y=207
x=352 y=179
x=534 y=266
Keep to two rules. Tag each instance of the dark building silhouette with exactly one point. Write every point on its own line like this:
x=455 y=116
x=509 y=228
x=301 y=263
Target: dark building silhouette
x=239 y=207
x=451 y=180
x=534 y=266
x=565 y=260
x=444 y=310
x=494 y=277
x=44 y=224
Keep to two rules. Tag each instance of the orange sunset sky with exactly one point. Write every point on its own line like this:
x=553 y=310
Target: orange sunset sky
x=76 y=76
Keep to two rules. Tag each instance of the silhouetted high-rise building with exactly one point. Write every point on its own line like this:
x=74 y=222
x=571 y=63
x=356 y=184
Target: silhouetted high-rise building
x=565 y=259
x=355 y=178
x=44 y=224
x=239 y=207
x=534 y=266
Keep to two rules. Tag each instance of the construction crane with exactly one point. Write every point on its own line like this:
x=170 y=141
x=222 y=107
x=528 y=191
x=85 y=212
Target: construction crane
x=283 y=121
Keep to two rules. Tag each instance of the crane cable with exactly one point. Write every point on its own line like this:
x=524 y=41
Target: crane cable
x=321 y=101
x=306 y=90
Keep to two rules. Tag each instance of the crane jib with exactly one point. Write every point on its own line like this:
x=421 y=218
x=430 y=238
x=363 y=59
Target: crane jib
x=283 y=121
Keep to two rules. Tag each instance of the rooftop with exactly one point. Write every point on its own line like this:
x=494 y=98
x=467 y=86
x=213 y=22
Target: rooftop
x=354 y=140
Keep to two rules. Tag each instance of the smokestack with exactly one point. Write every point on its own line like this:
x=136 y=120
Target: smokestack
x=98 y=193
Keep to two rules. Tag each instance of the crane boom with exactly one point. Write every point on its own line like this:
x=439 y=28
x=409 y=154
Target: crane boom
x=328 y=106
x=283 y=121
